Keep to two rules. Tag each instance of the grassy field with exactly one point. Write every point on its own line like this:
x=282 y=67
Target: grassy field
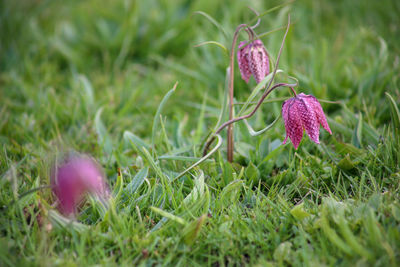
x=95 y=77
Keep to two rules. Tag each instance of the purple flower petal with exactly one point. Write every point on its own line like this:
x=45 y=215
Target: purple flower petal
x=293 y=123
x=242 y=58
x=308 y=117
x=319 y=113
x=303 y=112
x=258 y=60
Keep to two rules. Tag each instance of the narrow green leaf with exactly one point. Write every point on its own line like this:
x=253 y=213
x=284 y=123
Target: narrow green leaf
x=87 y=90
x=168 y=215
x=192 y=230
x=138 y=180
x=197 y=191
x=202 y=159
x=283 y=251
x=252 y=173
x=339 y=127
x=61 y=222
x=130 y=137
x=357 y=134
x=255 y=91
x=167 y=142
x=351 y=238
x=271 y=31
x=255 y=133
x=273 y=154
x=371 y=224
x=230 y=193
x=346 y=163
x=395 y=211
x=271 y=10
x=334 y=237
x=180 y=158
x=395 y=112
x=200 y=121
x=224 y=106
x=213 y=21
x=153 y=164
x=193 y=201
x=299 y=213
x=159 y=110
x=100 y=204
x=118 y=187
x=347 y=148
x=104 y=138
x=180 y=68
x=226 y=51
x=369 y=132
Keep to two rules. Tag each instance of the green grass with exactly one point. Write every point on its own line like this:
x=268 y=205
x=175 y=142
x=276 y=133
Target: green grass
x=89 y=76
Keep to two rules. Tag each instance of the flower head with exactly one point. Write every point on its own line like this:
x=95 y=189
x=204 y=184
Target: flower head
x=74 y=178
x=253 y=60
x=303 y=112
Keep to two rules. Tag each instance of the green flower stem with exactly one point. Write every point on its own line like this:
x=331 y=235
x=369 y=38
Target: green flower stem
x=230 y=122
x=230 y=145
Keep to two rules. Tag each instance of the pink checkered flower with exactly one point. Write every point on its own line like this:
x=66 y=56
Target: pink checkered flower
x=73 y=179
x=303 y=112
x=253 y=60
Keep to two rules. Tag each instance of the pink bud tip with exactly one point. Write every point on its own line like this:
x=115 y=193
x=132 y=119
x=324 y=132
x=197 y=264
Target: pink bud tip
x=75 y=177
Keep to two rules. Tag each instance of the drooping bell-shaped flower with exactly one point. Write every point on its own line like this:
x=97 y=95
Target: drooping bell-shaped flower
x=73 y=179
x=253 y=60
x=303 y=112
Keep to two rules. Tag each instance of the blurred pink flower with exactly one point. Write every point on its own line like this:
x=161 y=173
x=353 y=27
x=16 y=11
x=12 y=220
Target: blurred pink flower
x=253 y=60
x=75 y=177
x=303 y=112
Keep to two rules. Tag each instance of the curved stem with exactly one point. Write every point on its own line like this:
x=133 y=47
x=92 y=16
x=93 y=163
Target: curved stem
x=257 y=16
x=250 y=30
x=293 y=91
x=279 y=54
x=203 y=158
x=230 y=145
x=231 y=121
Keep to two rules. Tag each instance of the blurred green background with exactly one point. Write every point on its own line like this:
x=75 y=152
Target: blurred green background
x=133 y=51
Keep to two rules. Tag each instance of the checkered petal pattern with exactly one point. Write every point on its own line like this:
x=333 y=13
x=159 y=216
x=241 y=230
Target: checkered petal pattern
x=253 y=60
x=300 y=113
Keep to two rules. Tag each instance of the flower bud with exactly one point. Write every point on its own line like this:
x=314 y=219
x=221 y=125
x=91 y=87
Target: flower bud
x=253 y=60
x=73 y=179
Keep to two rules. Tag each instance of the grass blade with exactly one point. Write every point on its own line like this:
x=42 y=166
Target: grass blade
x=202 y=159
x=255 y=133
x=168 y=215
x=156 y=120
x=179 y=158
x=395 y=112
x=138 y=180
x=213 y=21
x=104 y=138
x=256 y=90
x=226 y=51
x=357 y=135
x=131 y=137
x=270 y=10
